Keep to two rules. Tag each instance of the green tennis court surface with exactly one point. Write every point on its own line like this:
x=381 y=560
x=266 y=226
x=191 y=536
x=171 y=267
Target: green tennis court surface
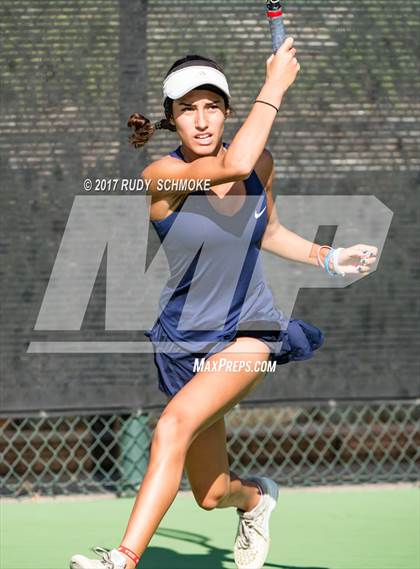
x=338 y=529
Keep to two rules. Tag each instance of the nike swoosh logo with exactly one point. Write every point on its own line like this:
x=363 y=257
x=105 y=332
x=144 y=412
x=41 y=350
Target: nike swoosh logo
x=259 y=214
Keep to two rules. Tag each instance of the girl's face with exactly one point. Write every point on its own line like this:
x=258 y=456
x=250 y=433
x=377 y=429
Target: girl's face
x=199 y=117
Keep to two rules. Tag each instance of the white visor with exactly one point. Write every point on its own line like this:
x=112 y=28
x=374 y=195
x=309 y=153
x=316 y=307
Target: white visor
x=181 y=81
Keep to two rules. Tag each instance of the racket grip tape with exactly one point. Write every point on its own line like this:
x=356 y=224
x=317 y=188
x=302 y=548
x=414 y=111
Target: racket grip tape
x=277 y=28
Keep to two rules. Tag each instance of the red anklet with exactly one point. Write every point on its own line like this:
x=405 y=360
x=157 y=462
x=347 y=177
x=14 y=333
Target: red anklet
x=135 y=558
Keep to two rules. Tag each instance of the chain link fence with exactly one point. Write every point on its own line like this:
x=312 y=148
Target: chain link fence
x=331 y=443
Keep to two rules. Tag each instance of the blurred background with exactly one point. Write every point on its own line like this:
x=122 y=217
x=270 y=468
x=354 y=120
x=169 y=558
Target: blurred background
x=72 y=72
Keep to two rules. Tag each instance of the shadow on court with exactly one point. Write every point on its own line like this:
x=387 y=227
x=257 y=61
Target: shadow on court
x=212 y=558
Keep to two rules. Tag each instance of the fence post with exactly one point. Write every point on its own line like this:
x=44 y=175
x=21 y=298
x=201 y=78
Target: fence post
x=135 y=441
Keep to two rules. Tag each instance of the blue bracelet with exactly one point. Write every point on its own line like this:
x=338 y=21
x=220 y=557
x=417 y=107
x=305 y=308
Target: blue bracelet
x=327 y=262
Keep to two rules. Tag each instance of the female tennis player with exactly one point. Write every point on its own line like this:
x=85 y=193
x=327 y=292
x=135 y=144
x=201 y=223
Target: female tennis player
x=216 y=302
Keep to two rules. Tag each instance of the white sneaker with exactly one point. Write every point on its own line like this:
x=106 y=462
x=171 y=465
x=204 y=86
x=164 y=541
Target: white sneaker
x=111 y=559
x=253 y=537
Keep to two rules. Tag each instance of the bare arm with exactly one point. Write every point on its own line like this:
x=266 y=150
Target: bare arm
x=281 y=241
x=278 y=239
x=249 y=142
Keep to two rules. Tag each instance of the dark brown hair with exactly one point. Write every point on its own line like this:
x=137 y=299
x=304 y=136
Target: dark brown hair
x=144 y=129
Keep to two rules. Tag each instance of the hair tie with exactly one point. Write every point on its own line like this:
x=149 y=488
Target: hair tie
x=267 y=103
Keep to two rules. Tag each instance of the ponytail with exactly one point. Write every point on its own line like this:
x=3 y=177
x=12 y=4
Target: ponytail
x=144 y=129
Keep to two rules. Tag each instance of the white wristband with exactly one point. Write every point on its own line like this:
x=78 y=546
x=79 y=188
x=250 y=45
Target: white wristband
x=334 y=256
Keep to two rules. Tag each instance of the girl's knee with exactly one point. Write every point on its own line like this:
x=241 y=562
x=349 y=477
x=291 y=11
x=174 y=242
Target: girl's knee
x=171 y=429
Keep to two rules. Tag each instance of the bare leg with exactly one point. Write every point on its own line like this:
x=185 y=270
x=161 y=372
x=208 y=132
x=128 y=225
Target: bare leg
x=199 y=404
x=212 y=483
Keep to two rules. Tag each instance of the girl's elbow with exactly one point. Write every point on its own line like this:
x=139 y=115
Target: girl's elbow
x=238 y=169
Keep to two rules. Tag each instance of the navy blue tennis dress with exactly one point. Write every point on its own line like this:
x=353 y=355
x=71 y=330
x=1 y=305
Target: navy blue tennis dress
x=217 y=290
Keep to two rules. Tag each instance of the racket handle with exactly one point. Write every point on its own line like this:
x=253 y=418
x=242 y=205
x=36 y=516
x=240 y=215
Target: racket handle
x=275 y=18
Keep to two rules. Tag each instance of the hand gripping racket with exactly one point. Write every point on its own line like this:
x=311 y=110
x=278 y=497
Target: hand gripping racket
x=275 y=18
